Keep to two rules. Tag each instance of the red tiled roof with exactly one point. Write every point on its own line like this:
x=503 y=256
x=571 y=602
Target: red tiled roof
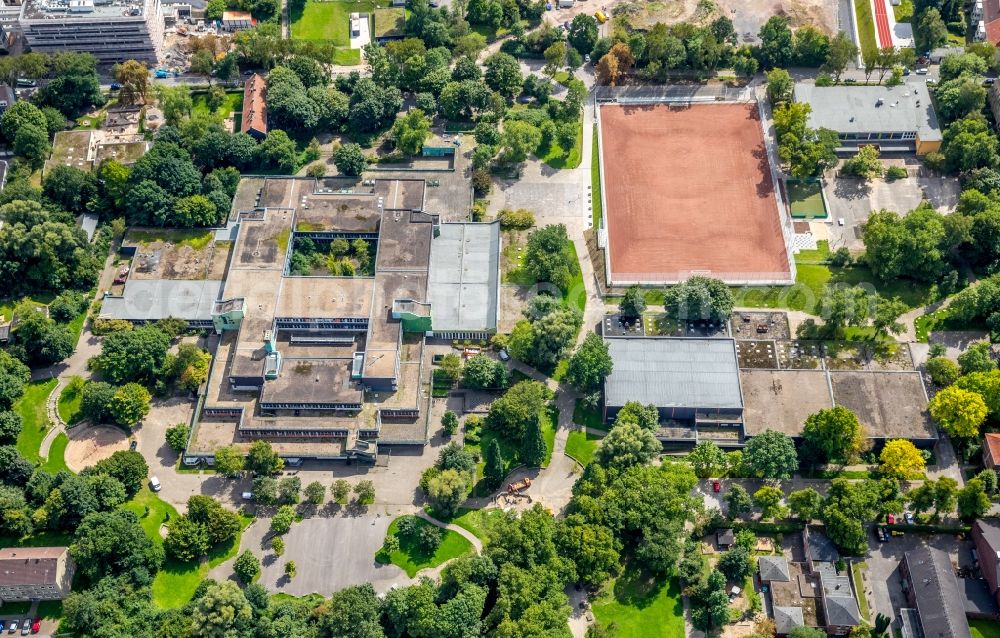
x=991 y=16
x=254 y=105
x=30 y=565
x=993 y=446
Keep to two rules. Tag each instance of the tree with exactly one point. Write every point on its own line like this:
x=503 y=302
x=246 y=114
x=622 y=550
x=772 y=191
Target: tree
x=228 y=461
x=533 y=448
x=484 y=372
x=805 y=503
x=738 y=500
x=887 y=314
x=503 y=74
x=806 y=632
x=350 y=159
x=263 y=460
x=546 y=257
x=583 y=33
x=186 y=540
x=628 y=444
x=775 y=43
x=707 y=459
x=246 y=567
x=113 y=542
x=315 y=493
x=736 y=564
x=519 y=407
x=493 y=470
x=779 y=86
x=340 y=490
x=177 y=436
x=555 y=57
x=134 y=355
x=221 y=525
x=10 y=426
x=910 y=246
x=95 y=401
x=699 y=298
x=768 y=499
x=288 y=490
x=901 y=459
x=410 y=131
x=447 y=492
x=278 y=151
x=959 y=412
x=127 y=466
x=282 y=520
x=771 y=454
x=968 y=143
x=265 y=490
x=450 y=422
x=977 y=358
x=589 y=365
x=986 y=385
x=222 y=611
x=32 y=143
x=835 y=432
x=365 y=491
x=865 y=163
x=930 y=30
x=972 y=500
x=134 y=78
x=841 y=53
x=632 y=305
x=19 y=115
x=518 y=139
x=130 y=404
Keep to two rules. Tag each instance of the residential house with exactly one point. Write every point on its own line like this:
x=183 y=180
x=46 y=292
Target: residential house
x=991 y=452
x=35 y=573
x=255 y=107
x=986 y=537
x=724 y=538
x=932 y=589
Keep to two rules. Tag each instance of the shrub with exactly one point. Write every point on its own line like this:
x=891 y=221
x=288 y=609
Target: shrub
x=942 y=370
x=102 y=327
x=520 y=219
x=895 y=172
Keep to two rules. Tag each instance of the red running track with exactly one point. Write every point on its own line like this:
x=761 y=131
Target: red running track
x=882 y=25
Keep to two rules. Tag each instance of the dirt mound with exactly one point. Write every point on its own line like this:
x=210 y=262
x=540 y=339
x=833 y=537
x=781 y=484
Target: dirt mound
x=88 y=444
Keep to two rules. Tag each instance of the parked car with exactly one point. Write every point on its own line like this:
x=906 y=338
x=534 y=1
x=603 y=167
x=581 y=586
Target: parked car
x=921 y=71
x=154 y=484
x=13 y=627
x=716 y=486
x=3 y=625
x=885 y=533
x=504 y=355
x=133 y=444
x=36 y=626
x=909 y=517
x=880 y=534
x=26 y=627
x=116 y=86
x=890 y=519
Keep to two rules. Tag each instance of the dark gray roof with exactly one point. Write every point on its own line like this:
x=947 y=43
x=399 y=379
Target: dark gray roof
x=787 y=618
x=990 y=532
x=673 y=372
x=840 y=605
x=855 y=109
x=725 y=537
x=940 y=603
x=977 y=598
x=88 y=222
x=773 y=568
x=818 y=545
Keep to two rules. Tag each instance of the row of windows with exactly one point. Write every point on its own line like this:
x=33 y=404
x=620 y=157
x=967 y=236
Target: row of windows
x=869 y=137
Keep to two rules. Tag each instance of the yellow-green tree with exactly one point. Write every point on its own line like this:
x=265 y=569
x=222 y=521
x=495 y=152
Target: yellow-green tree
x=959 y=412
x=901 y=459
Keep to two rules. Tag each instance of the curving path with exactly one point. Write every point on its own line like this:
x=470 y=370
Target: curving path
x=58 y=425
x=466 y=534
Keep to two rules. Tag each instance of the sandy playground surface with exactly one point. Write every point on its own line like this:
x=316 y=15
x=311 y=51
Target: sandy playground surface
x=88 y=444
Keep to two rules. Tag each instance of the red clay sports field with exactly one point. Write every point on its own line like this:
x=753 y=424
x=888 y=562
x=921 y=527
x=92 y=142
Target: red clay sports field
x=688 y=190
x=882 y=24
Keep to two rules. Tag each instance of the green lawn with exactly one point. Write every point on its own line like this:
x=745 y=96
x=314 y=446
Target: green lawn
x=806 y=200
x=639 y=604
x=477 y=521
x=69 y=402
x=856 y=569
x=345 y=56
x=510 y=449
x=575 y=294
x=31 y=407
x=57 y=455
x=549 y=420
x=866 y=26
x=903 y=12
x=195 y=238
x=7 y=305
x=588 y=417
x=982 y=628
x=595 y=179
x=75 y=327
x=412 y=558
x=224 y=551
x=557 y=157
x=233 y=103
x=38 y=539
x=582 y=446
x=328 y=21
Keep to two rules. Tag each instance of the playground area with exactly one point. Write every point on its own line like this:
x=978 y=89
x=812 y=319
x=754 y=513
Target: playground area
x=688 y=190
x=805 y=199
x=89 y=444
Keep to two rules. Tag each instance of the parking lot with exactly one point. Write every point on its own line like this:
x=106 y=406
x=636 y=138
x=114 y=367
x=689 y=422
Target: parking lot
x=853 y=200
x=881 y=579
